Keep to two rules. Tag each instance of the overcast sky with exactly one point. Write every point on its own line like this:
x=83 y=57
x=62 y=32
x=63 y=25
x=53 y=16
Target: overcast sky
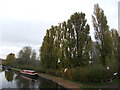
x=24 y=22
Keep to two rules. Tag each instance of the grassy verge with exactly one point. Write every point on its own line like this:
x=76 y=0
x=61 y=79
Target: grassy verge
x=16 y=69
x=96 y=86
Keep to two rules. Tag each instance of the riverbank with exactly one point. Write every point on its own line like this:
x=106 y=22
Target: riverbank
x=115 y=84
x=70 y=84
x=59 y=81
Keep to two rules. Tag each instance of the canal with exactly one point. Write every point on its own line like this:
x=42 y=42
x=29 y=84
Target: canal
x=13 y=79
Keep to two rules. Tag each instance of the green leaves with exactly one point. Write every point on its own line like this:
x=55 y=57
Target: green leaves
x=105 y=38
x=66 y=42
x=26 y=58
x=10 y=59
x=71 y=44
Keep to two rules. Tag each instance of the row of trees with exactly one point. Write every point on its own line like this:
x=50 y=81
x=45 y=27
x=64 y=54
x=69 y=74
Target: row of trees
x=26 y=59
x=69 y=44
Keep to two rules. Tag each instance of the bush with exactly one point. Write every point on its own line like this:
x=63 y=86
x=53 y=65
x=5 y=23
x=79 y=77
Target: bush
x=80 y=74
x=97 y=73
x=59 y=73
x=68 y=74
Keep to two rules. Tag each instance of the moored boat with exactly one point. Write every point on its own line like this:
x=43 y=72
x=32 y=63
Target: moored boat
x=29 y=73
x=7 y=67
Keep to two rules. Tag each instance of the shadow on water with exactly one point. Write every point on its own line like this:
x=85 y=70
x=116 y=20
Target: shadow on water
x=9 y=76
x=13 y=79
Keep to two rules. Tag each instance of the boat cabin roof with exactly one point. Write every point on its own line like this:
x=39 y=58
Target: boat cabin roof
x=29 y=70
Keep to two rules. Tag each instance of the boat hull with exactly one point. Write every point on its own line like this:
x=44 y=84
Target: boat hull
x=30 y=76
x=29 y=73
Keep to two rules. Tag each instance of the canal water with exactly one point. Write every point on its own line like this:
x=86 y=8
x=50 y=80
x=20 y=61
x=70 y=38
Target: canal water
x=13 y=79
x=10 y=80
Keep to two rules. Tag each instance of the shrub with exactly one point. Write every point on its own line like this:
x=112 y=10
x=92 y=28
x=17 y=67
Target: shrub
x=96 y=73
x=68 y=74
x=59 y=73
x=80 y=74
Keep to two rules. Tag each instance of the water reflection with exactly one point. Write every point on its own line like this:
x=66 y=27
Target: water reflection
x=24 y=82
x=9 y=75
x=13 y=79
x=48 y=84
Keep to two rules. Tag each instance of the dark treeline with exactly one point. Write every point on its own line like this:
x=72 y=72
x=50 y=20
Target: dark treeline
x=68 y=50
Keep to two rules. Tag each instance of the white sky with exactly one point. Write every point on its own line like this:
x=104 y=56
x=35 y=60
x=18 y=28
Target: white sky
x=24 y=22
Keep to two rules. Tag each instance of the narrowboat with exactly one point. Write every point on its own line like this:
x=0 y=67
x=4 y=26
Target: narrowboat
x=7 y=67
x=29 y=73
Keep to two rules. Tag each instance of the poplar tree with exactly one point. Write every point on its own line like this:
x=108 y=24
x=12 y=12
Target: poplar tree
x=80 y=29
x=67 y=45
x=101 y=31
x=64 y=46
x=45 y=51
x=115 y=42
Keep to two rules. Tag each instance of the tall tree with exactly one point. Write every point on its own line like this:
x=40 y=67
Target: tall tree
x=115 y=42
x=80 y=29
x=101 y=31
x=46 y=51
x=10 y=59
x=108 y=47
x=24 y=56
x=64 y=62
x=33 y=58
x=68 y=44
x=44 y=54
x=33 y=55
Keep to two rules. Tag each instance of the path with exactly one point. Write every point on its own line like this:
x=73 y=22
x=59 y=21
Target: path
x=61 y=82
